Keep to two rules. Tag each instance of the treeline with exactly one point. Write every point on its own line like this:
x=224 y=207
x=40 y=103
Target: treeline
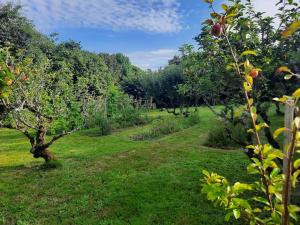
x=47 y=87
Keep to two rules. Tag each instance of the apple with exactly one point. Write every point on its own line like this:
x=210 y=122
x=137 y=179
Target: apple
x=216 y=29
x=254 y=73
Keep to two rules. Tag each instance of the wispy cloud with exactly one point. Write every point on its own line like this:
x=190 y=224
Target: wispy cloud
x=152 y=59
x=156 y=16
x=267 y=6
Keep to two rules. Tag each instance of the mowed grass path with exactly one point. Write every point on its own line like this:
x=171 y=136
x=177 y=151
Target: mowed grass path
x=113 y=180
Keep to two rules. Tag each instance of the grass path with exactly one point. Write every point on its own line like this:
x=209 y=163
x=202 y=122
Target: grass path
x=113 y=180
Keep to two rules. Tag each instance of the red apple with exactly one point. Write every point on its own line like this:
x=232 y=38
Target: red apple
x=254 y=73
x=216 y=29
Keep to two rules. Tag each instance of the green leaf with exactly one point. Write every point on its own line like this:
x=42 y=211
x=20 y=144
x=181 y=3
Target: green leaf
x=241 y=187
x=274 y=173
x=296 y=94
x=261 y=200
x=279 y=131
x=249 y=52
x=227 y=217
x=237 y=213
x=295 y=178
x=288 y=76
x=224 y=7
x=209 y=1
x=297 y=164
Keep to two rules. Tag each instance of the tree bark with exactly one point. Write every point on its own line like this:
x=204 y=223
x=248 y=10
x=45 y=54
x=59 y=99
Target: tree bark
x=40 y=148
x=45 y=153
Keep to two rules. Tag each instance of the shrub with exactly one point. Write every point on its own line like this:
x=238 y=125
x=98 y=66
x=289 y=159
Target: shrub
x=168 y=125
x=130 y=116
x=226 y=136
x=192 y=120
x=103 y=124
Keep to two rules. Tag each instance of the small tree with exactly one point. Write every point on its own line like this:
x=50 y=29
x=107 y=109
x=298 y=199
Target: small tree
x=270 y=203
x=38 y=100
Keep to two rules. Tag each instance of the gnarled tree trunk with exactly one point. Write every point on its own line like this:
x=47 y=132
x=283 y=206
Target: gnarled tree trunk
x=40 y=147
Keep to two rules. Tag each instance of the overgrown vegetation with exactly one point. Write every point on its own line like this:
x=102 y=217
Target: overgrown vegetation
x=167 y=125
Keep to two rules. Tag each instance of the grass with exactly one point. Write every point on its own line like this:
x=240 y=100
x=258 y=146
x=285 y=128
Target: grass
x=113 y=180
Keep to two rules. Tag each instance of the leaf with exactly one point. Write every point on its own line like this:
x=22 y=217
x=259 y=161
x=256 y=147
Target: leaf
x=208 y=22
x=279 y=131
x=295 y=178
x=297 y=164
x=260 y=126
x=249 y=52
x=237 y=213
x=282 y=99
x=296 y=94
x=209 y=1
x=247 y=87
x=261 y=200
x=283 y=69
x=288 y=76
x=215 y=15
x=227 y=217
x=274 y=172
x=291 y=29
x=224 y=7
x=249 y=79
x=241 y=187
x=206 y=173
x=297 y=122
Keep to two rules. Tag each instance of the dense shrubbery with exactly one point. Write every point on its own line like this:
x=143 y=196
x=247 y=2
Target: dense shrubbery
x=226 y=136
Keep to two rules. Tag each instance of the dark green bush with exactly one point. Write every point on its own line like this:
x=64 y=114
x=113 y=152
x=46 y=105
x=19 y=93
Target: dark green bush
x=103 y=124
x=226 y=136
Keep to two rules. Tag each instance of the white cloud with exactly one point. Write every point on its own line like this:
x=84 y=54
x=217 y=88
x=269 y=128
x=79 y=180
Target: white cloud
x=152 y=59
x=158 y=16
x=267 y=6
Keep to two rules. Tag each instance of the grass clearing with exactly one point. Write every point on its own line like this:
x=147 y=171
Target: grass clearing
x=114 y=180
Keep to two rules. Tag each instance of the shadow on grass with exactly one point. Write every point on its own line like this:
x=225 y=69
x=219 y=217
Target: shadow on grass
x=46 y=166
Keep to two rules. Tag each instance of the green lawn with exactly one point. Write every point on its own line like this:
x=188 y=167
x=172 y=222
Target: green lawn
x=113 y=180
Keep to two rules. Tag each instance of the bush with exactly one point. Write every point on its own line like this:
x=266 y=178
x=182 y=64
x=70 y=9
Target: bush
x=226 y=136
x=168 y=125
x=192 y=120
x=130 y=116
x=103 y=124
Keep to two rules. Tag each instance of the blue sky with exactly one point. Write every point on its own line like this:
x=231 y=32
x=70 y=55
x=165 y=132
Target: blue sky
x=149 y=32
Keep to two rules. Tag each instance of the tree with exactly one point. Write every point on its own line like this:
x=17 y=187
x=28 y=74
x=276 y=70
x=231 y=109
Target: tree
x=41 y=100
x=268 y=202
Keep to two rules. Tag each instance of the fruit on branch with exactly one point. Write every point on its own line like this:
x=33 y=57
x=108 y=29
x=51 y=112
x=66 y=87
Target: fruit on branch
x=254 y=73
x=216 y=30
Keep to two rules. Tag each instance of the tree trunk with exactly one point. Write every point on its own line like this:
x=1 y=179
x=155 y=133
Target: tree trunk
x=43 y=152
x=40 y=149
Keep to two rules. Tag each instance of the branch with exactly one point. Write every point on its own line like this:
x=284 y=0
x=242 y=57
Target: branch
x=23 y=131
x=57 y=137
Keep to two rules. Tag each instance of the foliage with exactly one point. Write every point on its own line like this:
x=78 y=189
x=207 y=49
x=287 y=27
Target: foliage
x=227 y=136
x=165 y=125
x=269 y=203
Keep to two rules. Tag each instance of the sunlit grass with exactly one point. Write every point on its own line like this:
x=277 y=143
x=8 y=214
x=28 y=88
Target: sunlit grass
x=114 y=180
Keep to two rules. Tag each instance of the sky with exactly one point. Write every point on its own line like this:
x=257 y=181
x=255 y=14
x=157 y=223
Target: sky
x=149 y=32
